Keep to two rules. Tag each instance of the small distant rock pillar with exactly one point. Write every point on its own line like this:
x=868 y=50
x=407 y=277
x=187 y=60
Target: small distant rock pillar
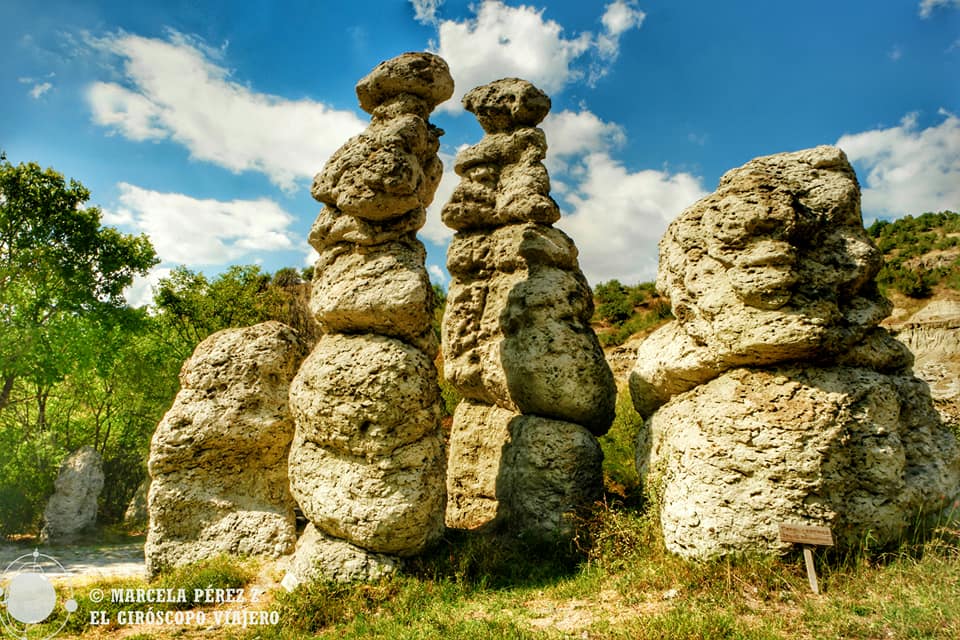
x=517 y=338
x=367 y=461
x=73 y=507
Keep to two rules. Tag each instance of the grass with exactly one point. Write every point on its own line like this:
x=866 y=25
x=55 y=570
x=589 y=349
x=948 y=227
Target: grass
x=617 y=582
x=614 y=581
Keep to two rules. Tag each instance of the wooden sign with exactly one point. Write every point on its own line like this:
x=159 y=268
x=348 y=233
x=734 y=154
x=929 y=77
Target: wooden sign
x=807 y=535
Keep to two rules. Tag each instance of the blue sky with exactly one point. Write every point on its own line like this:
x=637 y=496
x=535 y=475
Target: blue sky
x=202 y=123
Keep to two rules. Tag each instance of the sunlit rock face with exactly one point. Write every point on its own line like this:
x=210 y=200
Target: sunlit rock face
x=218 y=459
x=775 y=396
x=367 y=459
x=516 y=332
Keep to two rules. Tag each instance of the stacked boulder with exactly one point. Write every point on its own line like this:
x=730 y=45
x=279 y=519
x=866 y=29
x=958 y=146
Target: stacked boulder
x=218 y=459
x=517 y=338
x=367 y=461
x=775 y=397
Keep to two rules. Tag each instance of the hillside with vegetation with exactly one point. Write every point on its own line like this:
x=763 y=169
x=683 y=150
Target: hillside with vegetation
x=921 y=255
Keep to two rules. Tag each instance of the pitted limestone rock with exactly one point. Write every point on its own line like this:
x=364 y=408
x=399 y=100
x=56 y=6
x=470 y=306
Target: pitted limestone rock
x=391 y=503
x=516 y=331
x=503 y=182
x=381 y=289
x=419 y=74
x=806 y=410
x=218 y=457
x=852 y=449
x=775 y=266
x=367 y=462
x=507 y=104
x=521 y=472
x=72 y=508
x=517 y=326
x=320 y=558
x=392 y=168
x=365 y=395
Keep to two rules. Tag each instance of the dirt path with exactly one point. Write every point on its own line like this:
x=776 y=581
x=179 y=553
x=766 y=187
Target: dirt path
x=89 y=561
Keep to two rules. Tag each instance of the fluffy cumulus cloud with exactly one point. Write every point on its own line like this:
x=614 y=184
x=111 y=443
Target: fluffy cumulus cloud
x=175 y=89
x=203 y=232
x=140 y=293
x=617 y=216
x=571 y=134
x=434 y=230
x=906 y=169
x=501 y=41
x=927 y=6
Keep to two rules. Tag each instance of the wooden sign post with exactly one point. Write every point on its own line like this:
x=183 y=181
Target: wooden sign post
x=808 y=536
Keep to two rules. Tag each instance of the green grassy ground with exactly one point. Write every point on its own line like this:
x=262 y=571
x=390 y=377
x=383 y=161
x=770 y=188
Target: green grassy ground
x=615 y=580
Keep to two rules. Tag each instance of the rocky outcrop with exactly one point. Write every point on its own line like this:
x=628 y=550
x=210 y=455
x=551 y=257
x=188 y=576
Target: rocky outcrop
x=137 y=513
x=218 y=459
x=367 y=461
x=806 y=410
x=516 y=331
x=933 y=336
x=73 y=507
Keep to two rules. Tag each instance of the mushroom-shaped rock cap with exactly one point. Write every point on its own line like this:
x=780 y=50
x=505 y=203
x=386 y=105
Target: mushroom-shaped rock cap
x=419 y=73
x=504 y=105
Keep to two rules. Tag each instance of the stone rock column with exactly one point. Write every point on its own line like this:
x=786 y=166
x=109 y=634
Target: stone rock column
x=517 y=338
x=775 y=396
x=218 y=457
x=367 y=461
x=72 y=509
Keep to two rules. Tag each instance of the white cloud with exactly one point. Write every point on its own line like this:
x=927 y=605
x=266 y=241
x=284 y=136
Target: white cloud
x=895 y=53
x=927 y=6
x=40 y=89
x=176 y=90
x=618 y=217
x=503 y=41
x=425 y=11
x=140 y=293
x=620 y=16
x=572 y=133
x=203 y=232
x=434 y=229
x=908 y=170
x=437 y=274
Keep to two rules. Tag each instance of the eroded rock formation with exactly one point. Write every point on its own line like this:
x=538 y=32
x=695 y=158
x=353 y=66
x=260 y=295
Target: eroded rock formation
x=775 y=396
x=73 y=507
x=933 y=336
x=517 y=338
x=218 y=459
x=367 y=461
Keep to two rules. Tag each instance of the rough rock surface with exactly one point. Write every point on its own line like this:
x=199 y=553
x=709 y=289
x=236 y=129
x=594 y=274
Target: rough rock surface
x=320 y=558
x=933 y=335
x=775 y=396
x=774 y=266
x=73 y=506
x=848 y=448
x=218 y=457
x=137 y=512
x=517 y=338
x=367 y=462
x=529 y=471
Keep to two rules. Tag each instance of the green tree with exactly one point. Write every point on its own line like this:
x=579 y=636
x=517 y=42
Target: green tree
x=63 y=317
x=56 y=264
